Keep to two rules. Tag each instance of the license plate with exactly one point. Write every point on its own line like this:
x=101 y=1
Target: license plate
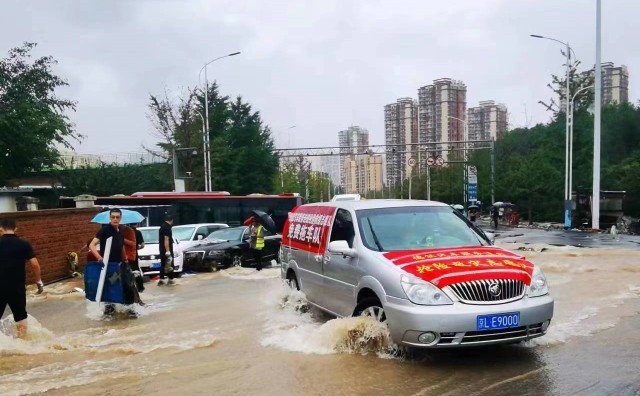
x=155 y=266
x=498 y=321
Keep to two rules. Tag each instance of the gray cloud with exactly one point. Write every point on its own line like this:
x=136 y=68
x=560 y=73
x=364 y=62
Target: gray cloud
x=319 y=65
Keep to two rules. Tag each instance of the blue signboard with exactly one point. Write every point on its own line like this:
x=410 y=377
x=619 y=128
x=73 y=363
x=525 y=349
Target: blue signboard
x=473 y=192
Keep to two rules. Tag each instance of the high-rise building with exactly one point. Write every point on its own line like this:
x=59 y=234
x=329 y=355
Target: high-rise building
x=363 y=173
x=400 y=130
x=442 y=111
x=487 y=121
x=330 y=165
x=353 y=140
x=615 y=83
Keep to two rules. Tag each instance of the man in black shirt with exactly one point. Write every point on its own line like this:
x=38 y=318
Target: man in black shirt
x=117 y=254
x=165 y=239
x=14 y=253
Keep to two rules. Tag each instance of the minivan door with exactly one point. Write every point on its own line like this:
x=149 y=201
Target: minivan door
x=305 y=235
x=341 y=273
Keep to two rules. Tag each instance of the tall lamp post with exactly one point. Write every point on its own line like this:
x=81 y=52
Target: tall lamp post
x=204 y=151
x=466 y=135
x=207 y=151
x=567 y=192
x=573 y=99
x=597 y=120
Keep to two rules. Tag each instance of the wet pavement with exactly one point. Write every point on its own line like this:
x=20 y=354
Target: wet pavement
x=241 y=332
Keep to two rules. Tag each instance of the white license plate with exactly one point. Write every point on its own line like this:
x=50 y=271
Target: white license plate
x=498 y=321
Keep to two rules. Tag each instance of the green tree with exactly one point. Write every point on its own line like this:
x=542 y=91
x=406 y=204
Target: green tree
x=33 y=120
x=241 y=147
x=111 y=179
x=178 y=127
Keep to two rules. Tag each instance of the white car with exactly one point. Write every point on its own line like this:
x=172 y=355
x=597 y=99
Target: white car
x=189 y=234
x=149 y=255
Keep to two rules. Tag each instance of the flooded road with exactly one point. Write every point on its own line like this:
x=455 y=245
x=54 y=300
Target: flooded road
x=240 y=332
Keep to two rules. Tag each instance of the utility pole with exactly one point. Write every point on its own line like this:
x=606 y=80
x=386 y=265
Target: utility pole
x=595 y=194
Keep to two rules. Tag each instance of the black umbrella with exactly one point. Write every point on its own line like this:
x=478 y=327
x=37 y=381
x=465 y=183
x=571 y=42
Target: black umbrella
x=266 y=221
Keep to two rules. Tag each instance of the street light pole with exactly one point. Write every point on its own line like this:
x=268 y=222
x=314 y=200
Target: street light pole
x=204 y=152
x=466 y=136
x=567 y=192
x=573 y=98
x=207 y=153
x=595 y=194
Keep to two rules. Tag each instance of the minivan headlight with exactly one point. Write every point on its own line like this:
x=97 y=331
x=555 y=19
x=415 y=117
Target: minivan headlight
x=422 y=292
x=539 y=286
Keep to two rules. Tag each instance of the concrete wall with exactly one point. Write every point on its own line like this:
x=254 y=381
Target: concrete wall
x=53 y=233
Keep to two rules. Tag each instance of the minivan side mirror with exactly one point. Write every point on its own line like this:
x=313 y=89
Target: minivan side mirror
x=199 y=237
x=341 y=247
x=491 y=237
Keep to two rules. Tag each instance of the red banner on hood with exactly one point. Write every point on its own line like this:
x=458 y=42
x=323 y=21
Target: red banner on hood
x=446 y=266
x=307 y=227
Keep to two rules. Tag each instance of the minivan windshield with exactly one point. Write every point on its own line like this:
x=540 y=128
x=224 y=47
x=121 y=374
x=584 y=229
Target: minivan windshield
x=416 y=227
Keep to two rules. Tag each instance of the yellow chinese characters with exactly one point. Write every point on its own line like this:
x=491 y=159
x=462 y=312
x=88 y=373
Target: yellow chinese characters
x=421 y=269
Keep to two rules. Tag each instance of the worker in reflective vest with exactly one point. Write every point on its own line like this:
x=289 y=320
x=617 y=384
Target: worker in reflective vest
x=257 y=242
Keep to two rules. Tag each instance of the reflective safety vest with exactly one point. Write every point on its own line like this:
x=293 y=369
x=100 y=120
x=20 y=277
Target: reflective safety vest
x=259 y=237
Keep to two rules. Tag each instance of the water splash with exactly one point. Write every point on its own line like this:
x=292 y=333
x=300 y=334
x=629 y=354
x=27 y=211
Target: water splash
x=291 y=325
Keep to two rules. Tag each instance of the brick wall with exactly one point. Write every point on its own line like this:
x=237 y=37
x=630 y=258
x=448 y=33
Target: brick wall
x=53 y=233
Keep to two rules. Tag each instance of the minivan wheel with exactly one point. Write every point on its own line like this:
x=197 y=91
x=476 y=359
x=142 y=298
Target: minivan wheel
x=292 y=281
x=373 y=308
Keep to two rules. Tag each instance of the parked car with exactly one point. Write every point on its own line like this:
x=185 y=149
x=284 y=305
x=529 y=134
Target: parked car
x=420 y=267
x=149 y=255
x=190 y=234
x=229 y=247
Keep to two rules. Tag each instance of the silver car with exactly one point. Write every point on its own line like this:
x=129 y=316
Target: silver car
x=420 y=266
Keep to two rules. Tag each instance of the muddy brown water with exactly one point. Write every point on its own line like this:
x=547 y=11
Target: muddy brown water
x=240 y=332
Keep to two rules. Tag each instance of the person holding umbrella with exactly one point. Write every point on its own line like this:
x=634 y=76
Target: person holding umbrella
x=495 y=213
x=256 y=231
x=117 y=254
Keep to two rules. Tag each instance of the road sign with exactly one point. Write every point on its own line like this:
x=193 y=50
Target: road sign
x=472 y=174
x=411 y=162
x=472 y=192
x=439 y=161
x=431 y=161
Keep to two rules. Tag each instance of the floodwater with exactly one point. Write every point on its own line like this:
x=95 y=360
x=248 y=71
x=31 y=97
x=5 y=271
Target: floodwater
x=241 y=332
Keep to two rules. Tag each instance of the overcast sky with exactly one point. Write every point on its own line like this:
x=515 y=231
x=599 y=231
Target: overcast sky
x=319 y=65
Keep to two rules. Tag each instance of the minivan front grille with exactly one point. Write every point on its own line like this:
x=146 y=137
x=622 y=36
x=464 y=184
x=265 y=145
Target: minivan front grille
x=489 y=291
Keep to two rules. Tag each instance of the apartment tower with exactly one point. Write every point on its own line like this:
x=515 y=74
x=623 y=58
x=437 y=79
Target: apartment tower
x=487 y=121
x=400 y=130
x=442 y=111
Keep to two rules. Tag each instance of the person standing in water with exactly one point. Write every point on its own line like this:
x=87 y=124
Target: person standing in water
x=14 y=254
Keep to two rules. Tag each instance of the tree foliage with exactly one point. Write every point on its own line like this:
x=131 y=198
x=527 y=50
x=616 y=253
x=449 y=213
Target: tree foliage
x=111 y=179
x=241 y=146
x=295 y=175
x=33 y=120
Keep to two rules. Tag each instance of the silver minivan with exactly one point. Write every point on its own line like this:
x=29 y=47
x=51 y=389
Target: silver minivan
x=419 y=266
